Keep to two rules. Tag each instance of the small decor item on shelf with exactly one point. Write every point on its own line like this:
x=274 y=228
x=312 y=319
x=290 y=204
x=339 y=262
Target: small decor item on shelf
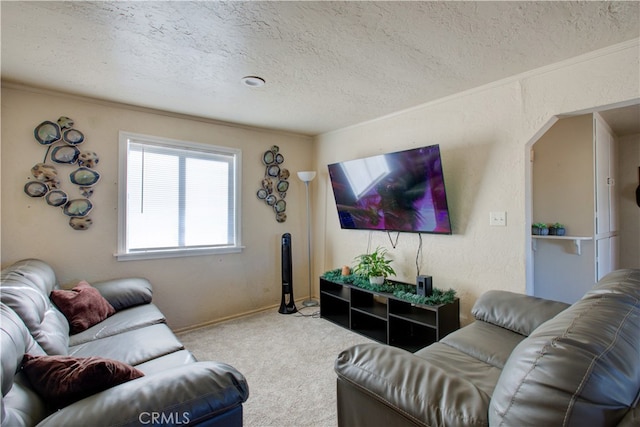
x=376 y=266
x=557 y=229
x=275 y=177
x=47 y=183
x=539 y=229
x=346 y=270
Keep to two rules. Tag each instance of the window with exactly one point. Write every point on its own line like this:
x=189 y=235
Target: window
x=177 y=198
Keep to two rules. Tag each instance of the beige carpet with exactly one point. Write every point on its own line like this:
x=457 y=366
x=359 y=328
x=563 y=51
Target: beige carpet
x=287 y=360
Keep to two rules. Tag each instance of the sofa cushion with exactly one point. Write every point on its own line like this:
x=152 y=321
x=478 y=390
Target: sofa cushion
x=454 y=363
x=125 y=293
x=171 y=360
x=516 y=312
x=132 y=347
x=83 y=306
x=122 y=321
x=62 y=380
x=579 y=368
x=25 y=288
x=483 y=341
x=440 y=387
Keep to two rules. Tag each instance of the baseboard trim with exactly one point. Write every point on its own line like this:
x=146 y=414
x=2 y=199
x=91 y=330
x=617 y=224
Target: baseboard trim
x=232 y=317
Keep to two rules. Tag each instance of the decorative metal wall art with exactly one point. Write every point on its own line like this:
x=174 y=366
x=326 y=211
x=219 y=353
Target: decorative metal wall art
x=47 y=182
x=274 y=183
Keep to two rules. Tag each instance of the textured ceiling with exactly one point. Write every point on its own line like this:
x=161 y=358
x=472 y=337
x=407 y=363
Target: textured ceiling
x=327 y=64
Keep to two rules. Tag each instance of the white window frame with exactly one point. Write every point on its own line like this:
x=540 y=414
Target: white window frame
x=123 y=253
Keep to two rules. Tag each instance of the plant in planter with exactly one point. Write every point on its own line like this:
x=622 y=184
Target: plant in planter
x=376 y=266
x=539 y=229
x=557 y=229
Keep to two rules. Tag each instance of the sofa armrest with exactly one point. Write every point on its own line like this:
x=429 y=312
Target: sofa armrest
x=516 y=312
x=394 y=380
x=188 y=394
x=125 y=293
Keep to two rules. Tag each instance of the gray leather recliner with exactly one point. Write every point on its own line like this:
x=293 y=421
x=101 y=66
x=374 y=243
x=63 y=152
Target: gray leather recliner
x=525 y=361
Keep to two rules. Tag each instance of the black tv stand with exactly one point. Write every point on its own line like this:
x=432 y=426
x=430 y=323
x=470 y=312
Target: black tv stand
x=386 y=318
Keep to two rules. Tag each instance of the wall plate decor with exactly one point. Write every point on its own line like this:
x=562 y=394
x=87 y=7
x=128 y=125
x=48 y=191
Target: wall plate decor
x=47 y=133
x=88 y=159
x=65 y=122
x=267 y=184
x=36 y=188
x=280 y=206
x=56 y=198
x=273 y=170
x=61 y=139
x=77 y=207
x=80 y=223
x=47 y=174
x=84 y=176
x=65 y=154
x=86 y=192
x=282 y=186
x=276 y=177
x=268 y=157
x=73 y=137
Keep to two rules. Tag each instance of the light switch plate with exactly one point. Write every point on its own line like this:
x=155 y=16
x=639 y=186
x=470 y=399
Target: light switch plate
x=498 y=219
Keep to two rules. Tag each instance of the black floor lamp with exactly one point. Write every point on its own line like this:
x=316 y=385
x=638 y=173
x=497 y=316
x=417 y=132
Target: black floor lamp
x=307 y=177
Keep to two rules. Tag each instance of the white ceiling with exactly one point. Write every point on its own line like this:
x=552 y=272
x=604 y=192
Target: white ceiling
x=327 y=65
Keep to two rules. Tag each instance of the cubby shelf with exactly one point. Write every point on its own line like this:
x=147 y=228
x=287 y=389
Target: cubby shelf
x=385 y=318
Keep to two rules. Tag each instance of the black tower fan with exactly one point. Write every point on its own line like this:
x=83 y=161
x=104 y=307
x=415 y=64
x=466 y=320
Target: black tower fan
x=287 y=304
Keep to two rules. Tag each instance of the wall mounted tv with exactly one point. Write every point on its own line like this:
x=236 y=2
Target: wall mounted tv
x=401 y=191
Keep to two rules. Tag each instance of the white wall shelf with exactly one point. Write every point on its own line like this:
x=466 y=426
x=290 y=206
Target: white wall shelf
x=576 y=241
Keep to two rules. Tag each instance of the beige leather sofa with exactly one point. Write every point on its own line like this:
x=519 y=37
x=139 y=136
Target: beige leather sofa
x=525 y=361
x=175 y=389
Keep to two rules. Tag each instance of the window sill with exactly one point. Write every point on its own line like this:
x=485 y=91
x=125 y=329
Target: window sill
x=143 y=255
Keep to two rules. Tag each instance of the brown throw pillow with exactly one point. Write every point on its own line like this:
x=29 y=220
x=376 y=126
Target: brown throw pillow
x=62 y=380
x=83 y=306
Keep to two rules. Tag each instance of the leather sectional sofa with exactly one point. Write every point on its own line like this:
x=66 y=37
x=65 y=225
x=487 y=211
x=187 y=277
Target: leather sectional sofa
x=170 y=386
x=525 y=361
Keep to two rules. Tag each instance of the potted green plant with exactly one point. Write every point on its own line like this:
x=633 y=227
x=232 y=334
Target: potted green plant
x=557 y=229
x=376 y=266
x=539 y=229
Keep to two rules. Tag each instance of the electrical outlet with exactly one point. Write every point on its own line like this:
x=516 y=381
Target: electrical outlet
x=498 y=219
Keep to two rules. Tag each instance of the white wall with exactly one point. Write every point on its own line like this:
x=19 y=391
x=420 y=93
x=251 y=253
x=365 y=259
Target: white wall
x=189 y=291
x=483 y=136
x=629 y=211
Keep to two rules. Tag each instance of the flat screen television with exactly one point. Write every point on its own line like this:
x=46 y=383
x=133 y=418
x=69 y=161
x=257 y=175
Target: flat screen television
x=401 y=191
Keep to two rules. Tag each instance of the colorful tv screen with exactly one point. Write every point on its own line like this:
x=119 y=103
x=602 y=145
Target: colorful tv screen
x=401 y=191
